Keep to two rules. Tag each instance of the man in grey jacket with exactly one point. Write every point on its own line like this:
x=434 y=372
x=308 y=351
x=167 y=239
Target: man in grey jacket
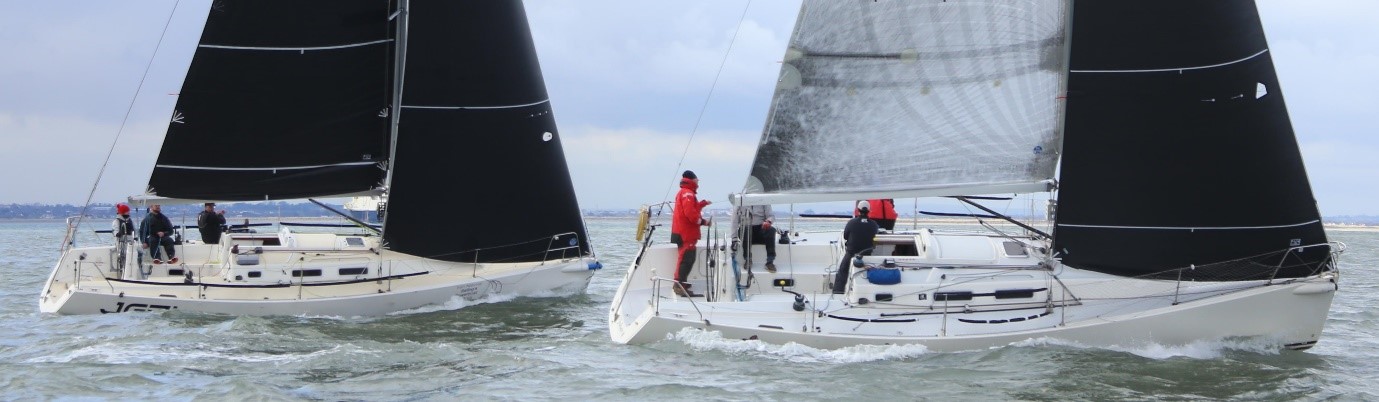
x=761 y=231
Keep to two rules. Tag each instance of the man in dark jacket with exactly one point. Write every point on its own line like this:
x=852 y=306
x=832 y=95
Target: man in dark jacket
x=684 y=229
x=156 y=230
x=859 y=238
x=210 y=223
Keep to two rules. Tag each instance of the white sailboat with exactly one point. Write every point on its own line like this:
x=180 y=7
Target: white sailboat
x=303 y=99
x=1183 y=211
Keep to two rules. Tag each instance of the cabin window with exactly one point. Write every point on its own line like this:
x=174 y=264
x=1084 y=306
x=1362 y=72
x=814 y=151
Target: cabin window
x=354 y=242
x=175 y=272
x=1015 y=249
x=952 y=296
x=297 y=273
x=255 y=274
x=1015 y=293
x=353 y=271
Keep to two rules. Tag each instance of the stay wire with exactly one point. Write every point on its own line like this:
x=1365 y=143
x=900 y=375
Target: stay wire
x=705 y=106
x=125 y=120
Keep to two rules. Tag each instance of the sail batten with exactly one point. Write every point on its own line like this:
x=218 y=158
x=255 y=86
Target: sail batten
x=1160 y=70
x=265 y=168
x=295 y=48
x=907 y=97
x=521 y=105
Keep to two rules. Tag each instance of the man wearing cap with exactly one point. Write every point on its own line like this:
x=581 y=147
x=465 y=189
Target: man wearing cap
x=684 y=229
x=859 y=237
x=210 y=222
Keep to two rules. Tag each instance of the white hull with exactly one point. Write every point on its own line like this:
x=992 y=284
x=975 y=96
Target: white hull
x=389 y=282
x=1059 y=302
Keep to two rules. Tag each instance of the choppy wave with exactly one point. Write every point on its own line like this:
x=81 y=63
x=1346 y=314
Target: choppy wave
x=559 y=349
x=1208 y=349
x=794 y=352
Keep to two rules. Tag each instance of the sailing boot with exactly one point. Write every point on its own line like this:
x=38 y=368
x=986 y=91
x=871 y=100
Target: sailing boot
x=682 y=289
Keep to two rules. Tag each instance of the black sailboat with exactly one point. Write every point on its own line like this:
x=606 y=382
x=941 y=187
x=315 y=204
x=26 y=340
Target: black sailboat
x=437 y=107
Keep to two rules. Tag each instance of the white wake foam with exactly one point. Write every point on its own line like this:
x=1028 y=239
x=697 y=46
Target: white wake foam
x=713 y=340
x=1203 y=350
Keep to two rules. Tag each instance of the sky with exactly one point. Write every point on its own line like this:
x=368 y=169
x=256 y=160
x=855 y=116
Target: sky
x=631 y=83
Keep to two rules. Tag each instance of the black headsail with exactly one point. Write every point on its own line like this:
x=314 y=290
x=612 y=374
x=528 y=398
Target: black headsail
x=480 y=173
x=283 y=99
x=1178 y=149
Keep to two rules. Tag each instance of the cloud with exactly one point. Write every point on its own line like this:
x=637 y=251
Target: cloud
x=625 y=167
x=628 y=80
x=73 y=151
x=1350 y=175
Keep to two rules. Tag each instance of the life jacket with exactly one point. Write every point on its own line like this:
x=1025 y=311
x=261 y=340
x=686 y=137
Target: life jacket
x=882 y=209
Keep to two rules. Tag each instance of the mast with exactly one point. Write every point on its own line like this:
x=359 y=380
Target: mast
x=399 y=72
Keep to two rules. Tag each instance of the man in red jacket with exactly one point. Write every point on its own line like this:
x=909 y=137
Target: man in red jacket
x=684 y=229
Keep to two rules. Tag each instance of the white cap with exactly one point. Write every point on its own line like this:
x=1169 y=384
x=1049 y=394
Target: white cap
x=863 y=205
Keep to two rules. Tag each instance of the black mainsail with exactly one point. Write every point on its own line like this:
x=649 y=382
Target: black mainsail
x=283 y=99
x=480 y=173
x=1178 y=150
x=293 y=99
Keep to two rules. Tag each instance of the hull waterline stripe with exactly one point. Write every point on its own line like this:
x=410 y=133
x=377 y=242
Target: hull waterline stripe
x=1189 y=227
x=476 y=107
x=1161 y=70
x=296 y=49
x=265 y=168
x=267 y=286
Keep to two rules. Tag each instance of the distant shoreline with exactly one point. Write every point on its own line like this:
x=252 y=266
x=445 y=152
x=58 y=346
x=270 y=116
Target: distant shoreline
x=1343 y=227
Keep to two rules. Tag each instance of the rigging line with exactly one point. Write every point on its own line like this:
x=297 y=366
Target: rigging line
x=705 y=106
x=127 y=112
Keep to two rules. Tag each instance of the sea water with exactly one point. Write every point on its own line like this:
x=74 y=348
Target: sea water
x=556 y=347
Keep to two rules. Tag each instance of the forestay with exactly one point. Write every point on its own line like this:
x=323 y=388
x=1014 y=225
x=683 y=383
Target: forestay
x=914 y=98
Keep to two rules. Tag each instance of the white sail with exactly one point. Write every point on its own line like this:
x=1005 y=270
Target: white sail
x=920 y=97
